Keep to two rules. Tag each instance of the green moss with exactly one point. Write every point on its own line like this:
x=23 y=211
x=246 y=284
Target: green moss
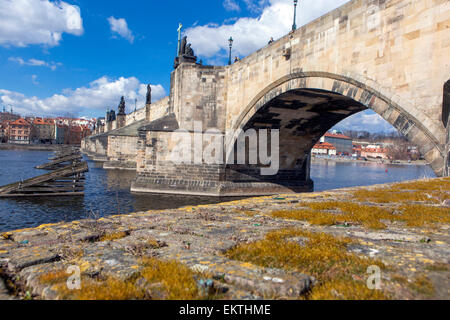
x=323 y=256
x=114 y=236
x=437 y=267
x=168 y=280
x=319 y=213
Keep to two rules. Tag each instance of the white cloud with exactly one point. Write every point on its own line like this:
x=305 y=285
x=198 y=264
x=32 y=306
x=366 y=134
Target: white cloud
x=366 y=121
x=250 y=34
x=231 y=5
x=34 y=79
x=30 y=22
x=101 y=94
x=120 y=27
x=256 y=6
x=36 y=63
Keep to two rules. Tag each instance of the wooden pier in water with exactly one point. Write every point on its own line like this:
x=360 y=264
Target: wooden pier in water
x=65 y=179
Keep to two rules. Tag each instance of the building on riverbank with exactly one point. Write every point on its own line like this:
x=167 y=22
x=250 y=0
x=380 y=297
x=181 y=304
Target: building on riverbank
x=43 y=131
x=4 y=133
x=324 y=148
x=342 y=143
x=374 y=152
x=19 y=132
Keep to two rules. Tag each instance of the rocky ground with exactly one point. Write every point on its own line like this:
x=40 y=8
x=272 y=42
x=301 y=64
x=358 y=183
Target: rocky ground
x=302 y=246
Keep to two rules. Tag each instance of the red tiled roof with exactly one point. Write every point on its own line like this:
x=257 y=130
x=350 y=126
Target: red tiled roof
x=324 y=145
x=40 y=121
x=21 y=122
x=337 y=136
x=377 y=150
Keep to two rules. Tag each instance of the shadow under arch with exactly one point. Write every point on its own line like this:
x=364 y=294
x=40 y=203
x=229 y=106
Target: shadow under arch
x=307 y=104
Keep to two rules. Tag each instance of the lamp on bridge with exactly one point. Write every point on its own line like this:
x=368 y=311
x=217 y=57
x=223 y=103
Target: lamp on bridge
x=294 y=25
x=230 y=41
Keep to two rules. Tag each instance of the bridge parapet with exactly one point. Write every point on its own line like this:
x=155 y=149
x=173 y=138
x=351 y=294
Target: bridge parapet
x=390 y=56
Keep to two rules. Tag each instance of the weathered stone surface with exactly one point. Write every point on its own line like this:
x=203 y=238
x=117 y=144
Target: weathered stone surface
x=199 y=236
x=4 y=294
x=268 y=283
x=29 y=256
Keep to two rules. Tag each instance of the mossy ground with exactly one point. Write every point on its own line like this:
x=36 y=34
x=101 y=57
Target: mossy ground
x=114 y=236
x=373 y=217
x=411 y=269
x=321 y=255
x=433 y=191
x=156 y=280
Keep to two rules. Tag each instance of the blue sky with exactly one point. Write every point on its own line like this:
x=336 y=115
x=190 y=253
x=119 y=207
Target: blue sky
x=79 y=56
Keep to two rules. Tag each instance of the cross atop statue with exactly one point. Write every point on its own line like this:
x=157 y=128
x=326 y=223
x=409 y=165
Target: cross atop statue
x=185 y=53
x=180 y=26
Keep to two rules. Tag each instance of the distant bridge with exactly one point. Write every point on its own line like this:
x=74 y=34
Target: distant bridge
x=391 y=56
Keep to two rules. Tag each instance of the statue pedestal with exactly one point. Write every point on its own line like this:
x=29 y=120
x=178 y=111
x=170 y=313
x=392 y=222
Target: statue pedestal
x=184 y=58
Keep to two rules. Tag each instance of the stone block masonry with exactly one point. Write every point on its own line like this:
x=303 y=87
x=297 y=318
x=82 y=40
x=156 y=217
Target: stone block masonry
x=378 y=55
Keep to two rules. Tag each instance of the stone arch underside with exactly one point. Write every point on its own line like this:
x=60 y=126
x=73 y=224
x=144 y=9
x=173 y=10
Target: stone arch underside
x=305 y=106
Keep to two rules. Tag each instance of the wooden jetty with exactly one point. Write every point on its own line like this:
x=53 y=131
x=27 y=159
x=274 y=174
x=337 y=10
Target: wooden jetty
x=65 y=181
x=65 y=152
x=61 y=162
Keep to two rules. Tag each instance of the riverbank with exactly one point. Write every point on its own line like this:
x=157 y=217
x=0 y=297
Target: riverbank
x=302 y=246
x=33 y=147
x=374 y=161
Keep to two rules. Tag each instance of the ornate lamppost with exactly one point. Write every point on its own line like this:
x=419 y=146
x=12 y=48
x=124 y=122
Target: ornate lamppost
x=294 y=25
x=230 y=42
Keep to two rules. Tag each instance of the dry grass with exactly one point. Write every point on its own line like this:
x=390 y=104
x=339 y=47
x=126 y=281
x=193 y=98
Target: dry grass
x=395 y=196
x=109 y=289
x=438 y=267
x=422 y=285
x=423 y=216
x=114 y=236
x=431 y=185
x=168 y=280
x=433 y=191
x=346 y=290
x=248 y=213
x=54 y=277
x=177 y=280
x=333 y=212
x=323 y=256
x=312 y=216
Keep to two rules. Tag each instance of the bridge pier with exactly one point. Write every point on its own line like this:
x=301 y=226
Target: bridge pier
x=169 y=161
x=217 y=181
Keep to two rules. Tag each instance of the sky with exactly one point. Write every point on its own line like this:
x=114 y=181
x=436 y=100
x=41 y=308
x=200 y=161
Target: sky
x=78 y=57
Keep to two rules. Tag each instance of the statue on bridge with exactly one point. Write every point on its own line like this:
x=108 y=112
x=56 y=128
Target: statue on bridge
x=185 y=54
x=122 y=106
x=149 y=95
x=111 y=116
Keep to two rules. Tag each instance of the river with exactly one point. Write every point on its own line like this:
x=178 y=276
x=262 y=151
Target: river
x=107 y=191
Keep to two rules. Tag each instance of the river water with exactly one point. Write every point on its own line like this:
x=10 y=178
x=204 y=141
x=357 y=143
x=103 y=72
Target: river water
x=107 y=191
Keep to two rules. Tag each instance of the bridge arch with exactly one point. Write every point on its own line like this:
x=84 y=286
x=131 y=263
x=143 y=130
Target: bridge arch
x=308 y=104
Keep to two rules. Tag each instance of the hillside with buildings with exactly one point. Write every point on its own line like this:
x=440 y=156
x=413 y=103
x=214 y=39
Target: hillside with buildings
x=15 y=129
x=335 y=144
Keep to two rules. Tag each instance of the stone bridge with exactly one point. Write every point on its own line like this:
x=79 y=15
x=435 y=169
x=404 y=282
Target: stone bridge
x=391 y=56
